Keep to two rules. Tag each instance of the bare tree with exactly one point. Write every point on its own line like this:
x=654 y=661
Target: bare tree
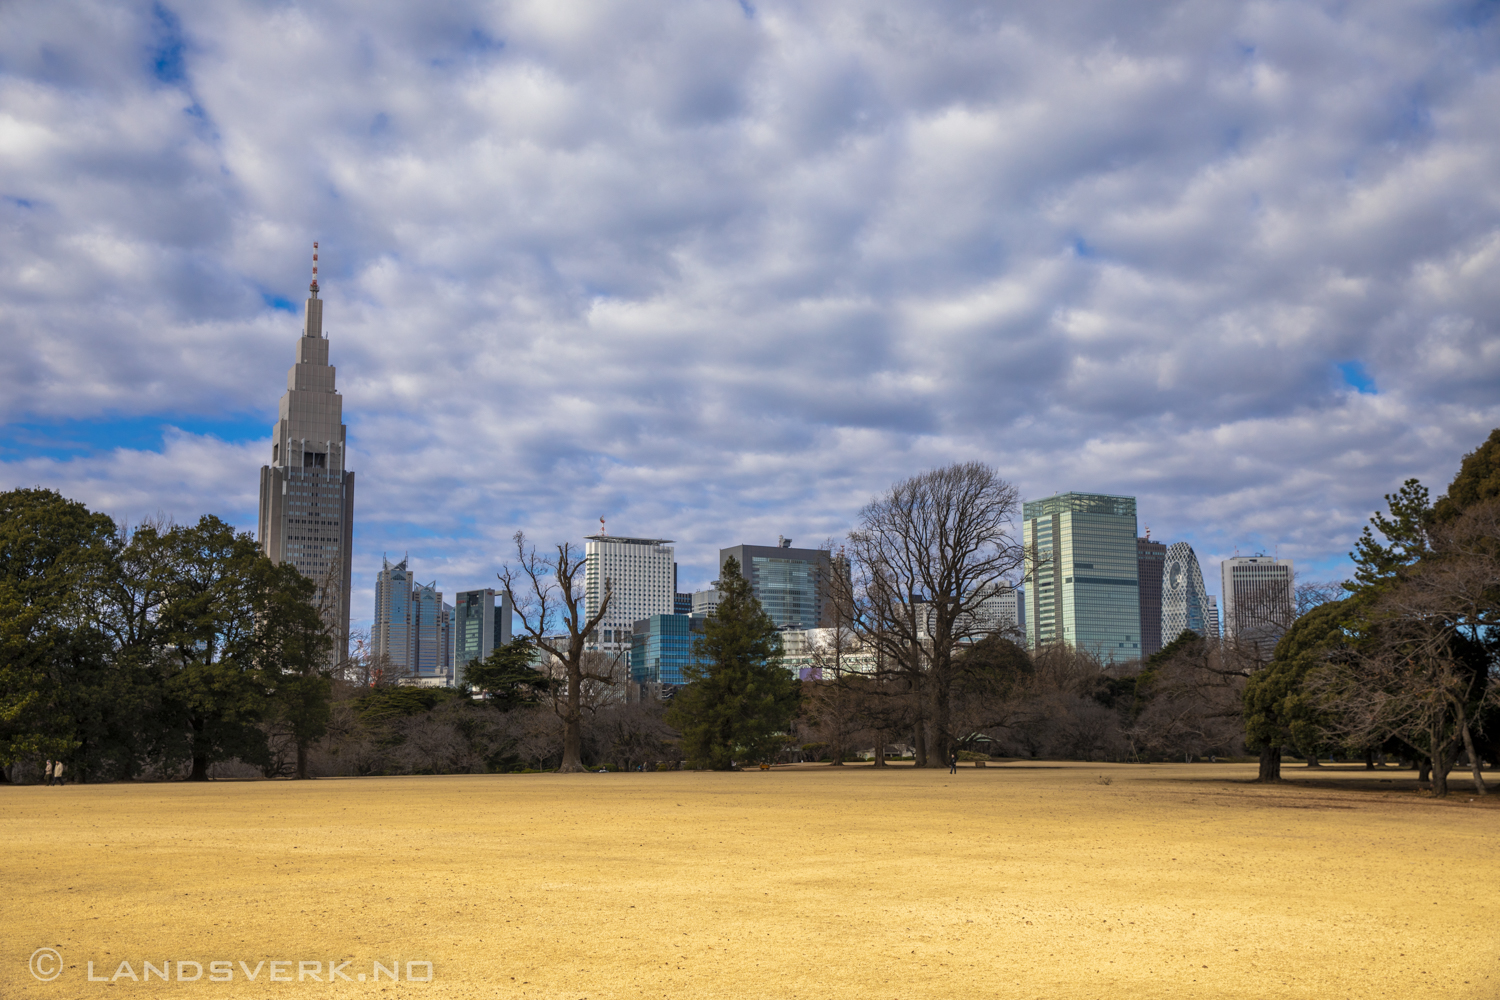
x=1424 y=672
x=926 y=556
x=546 y=594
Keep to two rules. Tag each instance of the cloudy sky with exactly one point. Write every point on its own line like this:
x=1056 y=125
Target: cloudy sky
x=720 y=270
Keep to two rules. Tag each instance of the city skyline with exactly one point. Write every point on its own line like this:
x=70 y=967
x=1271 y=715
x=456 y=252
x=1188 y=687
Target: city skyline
x=724 y=298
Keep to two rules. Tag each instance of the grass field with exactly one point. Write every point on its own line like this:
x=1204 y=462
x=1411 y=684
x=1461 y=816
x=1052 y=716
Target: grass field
x=1011 y=881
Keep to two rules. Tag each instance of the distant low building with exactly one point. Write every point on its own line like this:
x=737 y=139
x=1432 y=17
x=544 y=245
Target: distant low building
x=814 y=654
x=705 y=603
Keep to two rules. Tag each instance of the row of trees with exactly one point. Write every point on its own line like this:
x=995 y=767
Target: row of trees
x=166 y=649
x=158 y=650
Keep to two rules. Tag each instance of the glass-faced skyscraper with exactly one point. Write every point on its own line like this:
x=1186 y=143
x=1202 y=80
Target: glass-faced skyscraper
x=791 y=584
x=1081 y=578
x=307 y=493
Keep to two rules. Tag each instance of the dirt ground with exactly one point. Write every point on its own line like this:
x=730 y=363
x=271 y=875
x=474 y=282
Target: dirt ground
x=1022 y=880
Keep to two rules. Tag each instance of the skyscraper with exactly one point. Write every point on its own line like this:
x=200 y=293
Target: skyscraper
x=429 y=662
x=1149 y=560
x=1259 y=599
x=307 y=493
x=791 y=584
x=1081 y=567
x=478 y=627
x=391 y=634
x=1184 y=600
x=642 y=580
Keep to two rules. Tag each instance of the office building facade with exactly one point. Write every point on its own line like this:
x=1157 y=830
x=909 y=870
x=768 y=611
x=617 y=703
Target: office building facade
x=1184 y=599
x=432 y=639
x=791 y=584
x=306 y=514
x=1081 y=565
x=642 y=577
x=1258 y=599
x=481 y=621
x=705 y=603
x=1150 y=557
x=391 y=633
x=662 y=647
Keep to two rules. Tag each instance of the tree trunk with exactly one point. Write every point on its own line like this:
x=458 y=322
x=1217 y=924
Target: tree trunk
x=940 y=743
x=880 y=749
x=1424 y=771
x=1475 y=763
x=919 y=744
x=1312 y=759
x=1439 y=764
x=200 y=759
x=572 y=760
x=1369 y=759
x=301 y=760
x=1270 y=763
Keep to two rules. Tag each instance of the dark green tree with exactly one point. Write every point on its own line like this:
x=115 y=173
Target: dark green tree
x=739 y=700
x=1378 y=563
x=1478 y=480
x=1279 y=709
x=236 y=627
x=54 y=555
x=290 y=648
x=506 y=678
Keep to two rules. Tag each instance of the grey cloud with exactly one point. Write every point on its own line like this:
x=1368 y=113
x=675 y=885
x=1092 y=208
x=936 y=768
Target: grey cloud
x=721 y=277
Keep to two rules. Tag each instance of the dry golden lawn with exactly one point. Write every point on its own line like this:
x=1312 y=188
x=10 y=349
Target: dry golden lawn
x=1012 y=881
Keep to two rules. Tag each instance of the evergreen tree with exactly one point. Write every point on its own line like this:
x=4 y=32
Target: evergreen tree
x=507 y=678
x=1376 y=564
x=739 y=699
x=1478 y=480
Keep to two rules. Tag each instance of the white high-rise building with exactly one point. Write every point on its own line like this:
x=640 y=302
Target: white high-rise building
x=1259 y=599
x=642 y=576
x=306 y=493
x=1184 y=600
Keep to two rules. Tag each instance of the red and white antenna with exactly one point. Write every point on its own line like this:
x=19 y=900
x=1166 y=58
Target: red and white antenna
x=601 y=527
x=314 y=286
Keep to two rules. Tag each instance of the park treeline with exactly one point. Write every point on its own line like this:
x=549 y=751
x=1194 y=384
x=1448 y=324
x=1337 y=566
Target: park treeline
x=180 y=652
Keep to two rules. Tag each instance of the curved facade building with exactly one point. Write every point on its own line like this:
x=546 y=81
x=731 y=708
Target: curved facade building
x=1184 y=601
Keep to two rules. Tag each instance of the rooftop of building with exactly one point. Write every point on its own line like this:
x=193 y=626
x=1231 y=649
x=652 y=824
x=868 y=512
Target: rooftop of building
x=1079 y=503
x=628 y=541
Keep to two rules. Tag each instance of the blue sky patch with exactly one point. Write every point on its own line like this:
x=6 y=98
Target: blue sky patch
x=1356 y=378
x=66 y=439
x=166 y=59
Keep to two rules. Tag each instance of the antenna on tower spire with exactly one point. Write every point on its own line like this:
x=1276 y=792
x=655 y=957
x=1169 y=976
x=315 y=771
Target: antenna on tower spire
x=601 y=527
x=314 y=286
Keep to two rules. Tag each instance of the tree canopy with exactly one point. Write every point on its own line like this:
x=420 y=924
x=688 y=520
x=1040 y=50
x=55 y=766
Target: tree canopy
x=740 y=700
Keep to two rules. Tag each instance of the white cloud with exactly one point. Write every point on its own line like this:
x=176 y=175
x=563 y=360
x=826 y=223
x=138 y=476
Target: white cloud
x=720 y=277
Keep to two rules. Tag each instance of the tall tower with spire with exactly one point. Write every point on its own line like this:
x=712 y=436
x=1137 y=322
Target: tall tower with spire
x=307 y=492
